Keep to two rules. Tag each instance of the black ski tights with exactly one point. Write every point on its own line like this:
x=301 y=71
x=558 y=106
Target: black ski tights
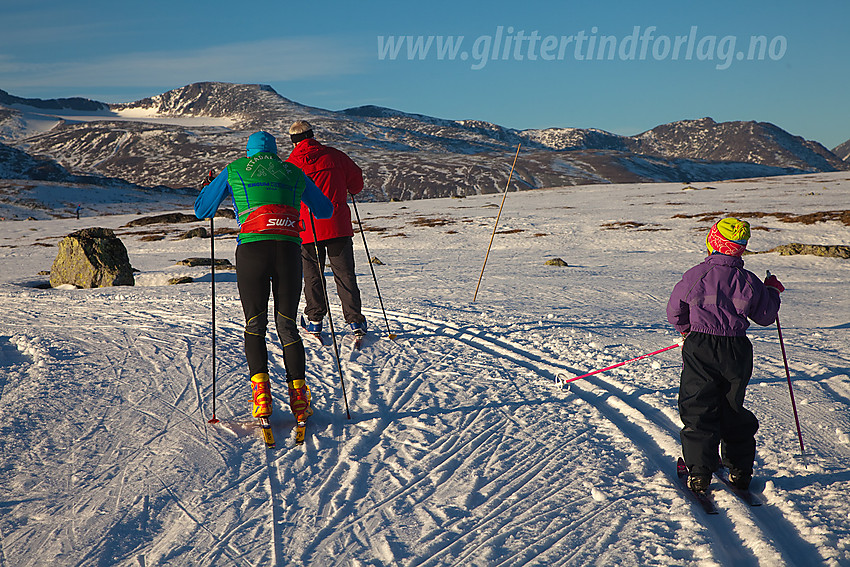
x=271 y=266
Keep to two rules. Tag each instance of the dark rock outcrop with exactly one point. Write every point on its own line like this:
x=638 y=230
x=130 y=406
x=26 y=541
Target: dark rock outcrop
x=195 y=262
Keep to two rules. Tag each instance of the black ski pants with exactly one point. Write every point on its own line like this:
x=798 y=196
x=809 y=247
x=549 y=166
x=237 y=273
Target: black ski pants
x=271 y=266
x=340 y=253
x=715 y=374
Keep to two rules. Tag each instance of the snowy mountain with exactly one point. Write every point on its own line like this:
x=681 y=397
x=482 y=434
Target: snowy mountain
x=464 y=445
x=172 y=139
x=748 y=142
x=843 y=151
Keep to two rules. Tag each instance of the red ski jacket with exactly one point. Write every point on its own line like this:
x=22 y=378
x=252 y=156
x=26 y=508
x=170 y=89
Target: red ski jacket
x=336 y=175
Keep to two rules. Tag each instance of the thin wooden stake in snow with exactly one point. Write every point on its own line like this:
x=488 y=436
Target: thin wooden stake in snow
x=497 y=223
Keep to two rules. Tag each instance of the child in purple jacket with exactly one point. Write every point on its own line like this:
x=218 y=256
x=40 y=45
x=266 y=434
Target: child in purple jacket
x=711 y=306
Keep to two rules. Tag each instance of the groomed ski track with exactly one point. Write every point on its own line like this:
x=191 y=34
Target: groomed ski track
x=433 y=469
x=761 y=537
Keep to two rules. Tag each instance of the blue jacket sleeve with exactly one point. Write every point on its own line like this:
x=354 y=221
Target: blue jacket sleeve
x=316 y=201
x=211 y=196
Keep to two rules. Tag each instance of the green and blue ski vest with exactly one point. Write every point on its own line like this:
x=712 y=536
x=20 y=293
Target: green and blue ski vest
x=267 y=197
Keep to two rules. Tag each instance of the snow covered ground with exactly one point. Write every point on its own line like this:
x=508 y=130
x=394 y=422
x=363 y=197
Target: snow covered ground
x=462 y=449
x=32 y=121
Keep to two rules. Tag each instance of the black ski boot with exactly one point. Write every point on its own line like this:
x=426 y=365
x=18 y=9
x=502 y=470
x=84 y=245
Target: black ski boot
x=699 y=482
x=740 y=479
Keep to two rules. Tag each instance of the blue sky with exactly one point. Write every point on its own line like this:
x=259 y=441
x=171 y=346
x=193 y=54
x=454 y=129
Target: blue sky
x=604 y=64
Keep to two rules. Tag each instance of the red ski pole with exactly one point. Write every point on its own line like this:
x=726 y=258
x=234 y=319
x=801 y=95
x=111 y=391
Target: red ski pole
x=618 y=364
x=790 y=389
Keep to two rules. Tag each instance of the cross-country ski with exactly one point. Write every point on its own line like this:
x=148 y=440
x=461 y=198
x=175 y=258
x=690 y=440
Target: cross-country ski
x=701 y=497
x=266 y=431
x=744 y=494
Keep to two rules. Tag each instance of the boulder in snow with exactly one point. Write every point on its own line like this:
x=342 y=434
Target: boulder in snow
x=91 y=257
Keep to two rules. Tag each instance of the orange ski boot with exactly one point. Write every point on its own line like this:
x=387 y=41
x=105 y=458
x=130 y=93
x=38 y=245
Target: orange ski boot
x=262 y=395
x=299 y=399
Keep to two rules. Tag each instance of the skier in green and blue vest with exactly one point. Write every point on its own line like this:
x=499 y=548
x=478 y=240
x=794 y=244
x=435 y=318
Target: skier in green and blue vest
x=267 y=194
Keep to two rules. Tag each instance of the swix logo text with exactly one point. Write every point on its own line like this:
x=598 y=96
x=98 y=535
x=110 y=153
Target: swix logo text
x=286 y=223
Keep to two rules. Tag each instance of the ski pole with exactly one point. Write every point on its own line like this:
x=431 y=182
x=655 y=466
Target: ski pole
x=619 y=364
x=392 y=336
x=212 y=295
x=496 y=224
x=330 y=318
x=790 y=389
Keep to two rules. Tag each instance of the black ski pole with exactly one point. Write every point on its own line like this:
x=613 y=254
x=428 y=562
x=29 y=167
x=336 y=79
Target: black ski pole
x=212 y=295
x=209 y=178
x=330 y=318
x=392 y=336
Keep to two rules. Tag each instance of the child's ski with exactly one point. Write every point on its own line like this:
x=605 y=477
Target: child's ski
x=744 y=494
x=701 y=498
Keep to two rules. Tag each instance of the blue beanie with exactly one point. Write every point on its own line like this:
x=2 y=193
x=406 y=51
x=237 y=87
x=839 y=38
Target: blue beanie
x=261 y=142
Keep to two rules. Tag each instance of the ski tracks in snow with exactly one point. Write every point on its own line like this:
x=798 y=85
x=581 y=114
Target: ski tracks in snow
x=461 y=444
x=421 y=438
x=109 y=410
x=651 y=435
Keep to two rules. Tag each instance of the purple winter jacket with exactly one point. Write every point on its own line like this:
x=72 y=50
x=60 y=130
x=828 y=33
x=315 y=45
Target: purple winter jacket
x=717 y=296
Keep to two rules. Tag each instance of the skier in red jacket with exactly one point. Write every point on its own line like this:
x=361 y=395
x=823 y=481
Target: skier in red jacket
x=337 y=176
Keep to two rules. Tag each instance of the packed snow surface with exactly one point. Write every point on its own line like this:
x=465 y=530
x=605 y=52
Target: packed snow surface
x=463 y=446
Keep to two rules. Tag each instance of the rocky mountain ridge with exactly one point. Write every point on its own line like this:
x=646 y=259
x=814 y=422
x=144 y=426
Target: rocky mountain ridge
x=404 y=156
x=74 y=103
x=843 y=151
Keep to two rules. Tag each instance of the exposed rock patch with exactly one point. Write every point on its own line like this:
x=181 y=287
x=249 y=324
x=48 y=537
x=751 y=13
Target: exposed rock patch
x=167 y=218
x=92 y=257
x=827 y=251
x=199 y=232
x=194 y=262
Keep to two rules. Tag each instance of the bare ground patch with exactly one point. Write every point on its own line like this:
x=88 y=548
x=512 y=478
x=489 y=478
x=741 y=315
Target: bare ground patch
x=637 y=226
x=842 y=216
x=826 y=251
x=431 y=221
